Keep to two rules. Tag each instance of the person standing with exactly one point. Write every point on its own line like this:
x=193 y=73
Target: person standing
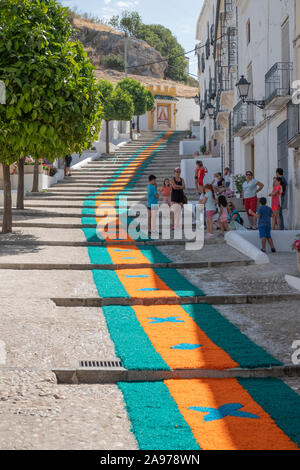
x=177 y=196
x=68 y=162
x=152 y=204
x=201 y=173
x=210 y=208
x=276 y=202
x=264 y=215
x=284 y=184
x=250 y=189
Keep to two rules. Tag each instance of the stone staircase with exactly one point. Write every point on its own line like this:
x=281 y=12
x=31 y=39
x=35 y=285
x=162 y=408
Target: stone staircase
x=96 y=173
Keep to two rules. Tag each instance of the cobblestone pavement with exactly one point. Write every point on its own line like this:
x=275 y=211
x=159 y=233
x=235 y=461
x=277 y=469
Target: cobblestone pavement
x=37 y=336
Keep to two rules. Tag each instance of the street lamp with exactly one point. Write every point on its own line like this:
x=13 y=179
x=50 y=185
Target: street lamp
x=210 y=110
x=197 y=99
x=243 y=87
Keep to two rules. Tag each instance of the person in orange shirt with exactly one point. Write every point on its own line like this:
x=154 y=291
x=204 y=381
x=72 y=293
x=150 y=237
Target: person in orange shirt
x=166 y=191
x=276 y=202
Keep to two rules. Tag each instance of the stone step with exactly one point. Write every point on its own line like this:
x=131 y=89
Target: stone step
x=32 y=243
x=114 y=375
x=117 y=267
x=235 y=299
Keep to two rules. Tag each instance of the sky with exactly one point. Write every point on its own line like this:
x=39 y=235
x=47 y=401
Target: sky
x=178 y=15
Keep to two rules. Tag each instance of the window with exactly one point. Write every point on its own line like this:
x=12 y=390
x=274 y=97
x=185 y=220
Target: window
x=248 y=32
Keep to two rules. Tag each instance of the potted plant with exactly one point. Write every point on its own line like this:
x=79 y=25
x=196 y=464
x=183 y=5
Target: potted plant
x=203 y=149
x=238 y=182
x=52 y=171
x=296 y=247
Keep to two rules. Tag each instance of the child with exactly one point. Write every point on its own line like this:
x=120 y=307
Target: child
x=276 y=202
x=152 y=203
x=264 y=215
x=210 y=207
x=223 y=218
x=166 y=192
x=227 y=178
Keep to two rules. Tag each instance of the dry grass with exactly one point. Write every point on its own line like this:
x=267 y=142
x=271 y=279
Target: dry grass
x=183 y=91
x=79 y=22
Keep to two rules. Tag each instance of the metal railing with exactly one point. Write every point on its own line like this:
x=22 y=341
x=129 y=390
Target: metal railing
x=212 y=88
x=225 y=78
x=293 y=118
x=212 y=34
x=203 y=63
x=278 y=80
x=231 y=47
x=243 y=116
x=207 y=48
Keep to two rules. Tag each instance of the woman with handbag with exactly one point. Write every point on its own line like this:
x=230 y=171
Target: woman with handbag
x=178 y=197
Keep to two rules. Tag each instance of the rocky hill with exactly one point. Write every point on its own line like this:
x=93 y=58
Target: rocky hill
x=100 y=41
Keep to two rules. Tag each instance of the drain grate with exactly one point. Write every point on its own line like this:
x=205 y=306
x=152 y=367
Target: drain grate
x=102 y=364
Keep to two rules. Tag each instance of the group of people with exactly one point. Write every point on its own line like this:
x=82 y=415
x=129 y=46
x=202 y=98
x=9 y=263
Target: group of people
x=214 y=197
x=172 y=192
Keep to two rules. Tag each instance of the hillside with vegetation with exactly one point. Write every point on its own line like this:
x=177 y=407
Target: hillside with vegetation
x=147 y=44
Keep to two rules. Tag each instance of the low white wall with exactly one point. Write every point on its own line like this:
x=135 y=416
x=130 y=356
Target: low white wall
x=196 y=132
x=188 y=170
x=241 y=244
x=45 y=181
x=13 y=197
x=189 y=147
x=283 y=239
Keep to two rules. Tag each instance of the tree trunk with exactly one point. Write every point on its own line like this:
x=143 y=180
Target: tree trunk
x=138 y=124
x=35 y=184
x=107 y=137
x=131 y=133
x=20 y=195
x=7 y=217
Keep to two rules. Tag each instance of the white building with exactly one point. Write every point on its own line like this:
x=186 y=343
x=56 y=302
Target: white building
x=254 y=38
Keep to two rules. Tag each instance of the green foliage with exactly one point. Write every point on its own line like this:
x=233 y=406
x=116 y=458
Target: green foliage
x=150 y=101
x=238 y=182
x=117 y=103
x=53 y=103
x=113 y=61
x=137 y=92
x=157 y=36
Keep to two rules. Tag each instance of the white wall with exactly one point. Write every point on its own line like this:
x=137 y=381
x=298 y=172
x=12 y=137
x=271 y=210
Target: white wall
x=188 y=166
x=263 y=51
x=187 y=110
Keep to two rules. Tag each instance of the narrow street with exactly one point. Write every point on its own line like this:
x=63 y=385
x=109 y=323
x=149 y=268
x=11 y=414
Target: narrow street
x=209 y=374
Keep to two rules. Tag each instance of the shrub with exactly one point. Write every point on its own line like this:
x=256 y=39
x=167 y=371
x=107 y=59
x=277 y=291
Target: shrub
x=113 y=61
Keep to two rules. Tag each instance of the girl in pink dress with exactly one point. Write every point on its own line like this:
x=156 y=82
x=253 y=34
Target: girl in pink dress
x=276 y=202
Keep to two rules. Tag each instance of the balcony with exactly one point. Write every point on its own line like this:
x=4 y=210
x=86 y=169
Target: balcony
x=218 y=134
x=243 y=119
x=212 y=89
x=278 y=85
x=293 y=118
x=226 y=85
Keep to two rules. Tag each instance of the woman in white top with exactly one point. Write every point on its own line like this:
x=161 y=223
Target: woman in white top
x=250 y=189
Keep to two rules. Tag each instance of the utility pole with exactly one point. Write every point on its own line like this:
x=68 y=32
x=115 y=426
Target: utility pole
x=126 y=54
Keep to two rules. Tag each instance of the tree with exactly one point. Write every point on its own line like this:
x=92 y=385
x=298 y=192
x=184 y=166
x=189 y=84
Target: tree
x=138 y=93
x=117 y=105
x=53 y=103
x=130 y=22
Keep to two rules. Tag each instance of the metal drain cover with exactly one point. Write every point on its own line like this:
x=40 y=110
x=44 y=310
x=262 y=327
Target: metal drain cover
x=102 y=364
